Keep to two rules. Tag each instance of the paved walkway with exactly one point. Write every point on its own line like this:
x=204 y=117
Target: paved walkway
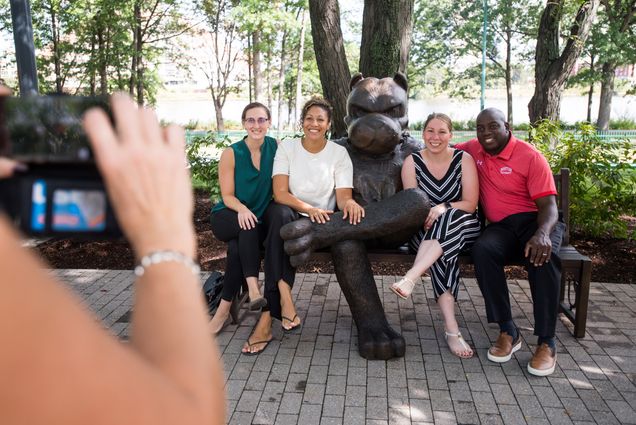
x=317 y=377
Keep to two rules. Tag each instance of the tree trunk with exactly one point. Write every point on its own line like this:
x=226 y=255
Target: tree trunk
x=331 y=59
x=92 y=80
x=135 y=54
x=281 y=82
x=268 y=73
x=218 y=112
x=590 y=94
x=386 y=37
x=299 y=68
x=103 y=62
x=256 y=64
x=509 y=74
x=140 y=81
x=139 y=52
x=249 y=67
x=55 y=37
x=607 y=91
x=553 y=67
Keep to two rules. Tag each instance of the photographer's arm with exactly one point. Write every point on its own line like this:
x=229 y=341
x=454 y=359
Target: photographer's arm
x=8 y=166
x=57 y=357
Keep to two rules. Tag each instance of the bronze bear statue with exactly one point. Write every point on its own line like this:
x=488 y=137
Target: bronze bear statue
x=378 y=143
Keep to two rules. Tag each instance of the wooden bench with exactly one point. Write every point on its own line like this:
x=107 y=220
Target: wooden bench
x=576 y=268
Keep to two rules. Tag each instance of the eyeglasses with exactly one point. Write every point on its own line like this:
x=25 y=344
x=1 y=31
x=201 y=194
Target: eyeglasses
x=252 y=121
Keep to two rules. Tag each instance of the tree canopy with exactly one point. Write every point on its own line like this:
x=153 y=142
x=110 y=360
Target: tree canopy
x=281 y=52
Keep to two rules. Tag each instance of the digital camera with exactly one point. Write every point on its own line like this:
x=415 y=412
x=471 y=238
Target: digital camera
x=61 y=193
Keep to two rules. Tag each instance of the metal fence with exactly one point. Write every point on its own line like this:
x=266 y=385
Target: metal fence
x=458 y=136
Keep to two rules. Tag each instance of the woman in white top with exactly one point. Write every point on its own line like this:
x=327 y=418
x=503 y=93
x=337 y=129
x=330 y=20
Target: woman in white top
x=311 y=176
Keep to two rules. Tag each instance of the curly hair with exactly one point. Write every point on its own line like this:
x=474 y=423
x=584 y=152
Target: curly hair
x=316 y=101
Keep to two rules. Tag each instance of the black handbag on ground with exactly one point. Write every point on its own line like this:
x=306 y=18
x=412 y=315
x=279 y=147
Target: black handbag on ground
x=212 y=289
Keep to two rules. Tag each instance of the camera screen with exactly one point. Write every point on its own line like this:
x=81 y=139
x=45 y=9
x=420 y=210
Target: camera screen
x=72 y=210
x=47 y=128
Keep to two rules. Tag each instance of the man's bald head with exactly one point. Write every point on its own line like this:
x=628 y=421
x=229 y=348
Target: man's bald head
x=493 y=113
x=493 y=131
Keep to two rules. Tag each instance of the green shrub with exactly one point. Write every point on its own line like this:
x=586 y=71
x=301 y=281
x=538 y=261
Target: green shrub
x=458 y=125
x=524 y=126
x=192 y=125
x=417 y=126
x=203 y=154
x=622 y=123
x=467 y=125
x=233 y=125
x=602 y=176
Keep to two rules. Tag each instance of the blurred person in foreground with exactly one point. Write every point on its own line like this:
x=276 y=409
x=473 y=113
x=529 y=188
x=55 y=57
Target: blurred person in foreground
x=58 y=365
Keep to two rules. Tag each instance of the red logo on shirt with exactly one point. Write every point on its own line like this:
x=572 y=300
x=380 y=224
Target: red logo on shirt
x=505 y=170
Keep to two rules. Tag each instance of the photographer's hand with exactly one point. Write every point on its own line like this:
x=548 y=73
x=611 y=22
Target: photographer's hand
x=145 y=175
x=54 y=352
x=8 y=166
x=144 y=170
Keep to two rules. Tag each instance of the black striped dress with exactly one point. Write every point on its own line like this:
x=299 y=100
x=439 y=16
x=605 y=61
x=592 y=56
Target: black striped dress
x=455 y=229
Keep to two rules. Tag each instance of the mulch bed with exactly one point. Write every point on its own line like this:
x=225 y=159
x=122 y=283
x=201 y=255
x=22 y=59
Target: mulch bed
x=613 y=260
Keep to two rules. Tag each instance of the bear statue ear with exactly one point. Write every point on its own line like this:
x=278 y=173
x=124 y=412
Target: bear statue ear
x=357 y=77
x=400 y=79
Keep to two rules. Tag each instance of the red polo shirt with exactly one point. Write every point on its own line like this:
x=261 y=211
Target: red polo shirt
x=510 y=182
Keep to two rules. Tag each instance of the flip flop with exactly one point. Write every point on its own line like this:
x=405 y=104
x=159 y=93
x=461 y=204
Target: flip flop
x=462 y=342
x=251 y=344
x=293 y=328
x=257 y=304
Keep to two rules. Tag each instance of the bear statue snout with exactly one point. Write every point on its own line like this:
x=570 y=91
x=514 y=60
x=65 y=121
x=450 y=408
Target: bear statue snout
x=375 y=134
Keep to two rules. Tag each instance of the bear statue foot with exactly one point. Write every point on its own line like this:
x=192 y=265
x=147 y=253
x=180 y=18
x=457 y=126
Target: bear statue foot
x=380 y=343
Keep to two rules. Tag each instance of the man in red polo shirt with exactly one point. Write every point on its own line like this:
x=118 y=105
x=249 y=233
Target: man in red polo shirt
x=517 y=195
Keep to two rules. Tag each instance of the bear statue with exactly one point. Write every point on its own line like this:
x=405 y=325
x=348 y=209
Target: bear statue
x=377 y=143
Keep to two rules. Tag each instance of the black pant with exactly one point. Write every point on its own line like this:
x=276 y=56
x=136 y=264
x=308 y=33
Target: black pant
x=243 y=251
x=502 y=243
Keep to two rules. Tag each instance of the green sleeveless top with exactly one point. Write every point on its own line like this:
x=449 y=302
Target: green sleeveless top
x=251 y=186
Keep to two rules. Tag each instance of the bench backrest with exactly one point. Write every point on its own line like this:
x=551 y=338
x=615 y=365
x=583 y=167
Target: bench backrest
x=562 y=182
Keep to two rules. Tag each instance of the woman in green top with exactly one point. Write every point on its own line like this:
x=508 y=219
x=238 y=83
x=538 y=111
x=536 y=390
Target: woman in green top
x=247 y=218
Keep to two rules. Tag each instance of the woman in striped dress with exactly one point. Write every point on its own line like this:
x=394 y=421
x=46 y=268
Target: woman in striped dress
x=449 y=177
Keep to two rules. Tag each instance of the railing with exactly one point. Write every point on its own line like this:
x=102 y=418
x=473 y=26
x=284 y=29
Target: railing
x=458 y=136
x=234 y=135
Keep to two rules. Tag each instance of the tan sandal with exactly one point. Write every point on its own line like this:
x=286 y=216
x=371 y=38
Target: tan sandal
x=463 y=343
x=403 y=287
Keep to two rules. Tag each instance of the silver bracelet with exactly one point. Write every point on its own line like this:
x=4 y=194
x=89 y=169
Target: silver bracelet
x=157 y=257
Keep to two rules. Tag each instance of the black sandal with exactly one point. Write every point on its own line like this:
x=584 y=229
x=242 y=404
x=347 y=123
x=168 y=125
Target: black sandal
x=251 y=344
x=291 y=321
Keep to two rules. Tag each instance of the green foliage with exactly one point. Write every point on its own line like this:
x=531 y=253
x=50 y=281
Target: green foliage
x=622 y=123
x=233 y=125
x=87 y=46
x=602 y=175
x=447 y=36
x=203 y=154
x=468 y=125
x=524 y=126
x=192 y=125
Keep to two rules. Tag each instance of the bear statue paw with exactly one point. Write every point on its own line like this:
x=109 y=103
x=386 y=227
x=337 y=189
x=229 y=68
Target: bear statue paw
x=299 y=238
x=380 y=343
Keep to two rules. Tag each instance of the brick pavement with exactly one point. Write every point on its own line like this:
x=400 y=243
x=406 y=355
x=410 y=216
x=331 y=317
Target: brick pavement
x=317 y=377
